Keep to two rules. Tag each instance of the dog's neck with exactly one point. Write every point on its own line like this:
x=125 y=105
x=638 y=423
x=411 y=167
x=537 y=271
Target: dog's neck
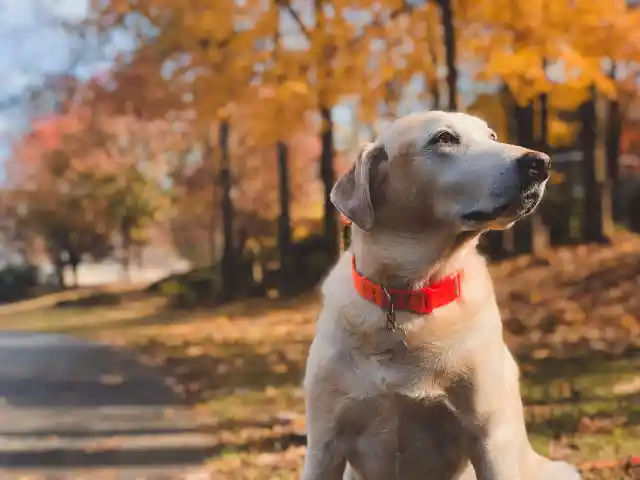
x=411 y=261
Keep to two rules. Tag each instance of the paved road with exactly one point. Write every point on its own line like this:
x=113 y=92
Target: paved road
x=71 y=409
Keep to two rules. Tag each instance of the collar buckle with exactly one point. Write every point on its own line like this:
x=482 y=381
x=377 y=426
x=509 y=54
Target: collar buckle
x=391 y=315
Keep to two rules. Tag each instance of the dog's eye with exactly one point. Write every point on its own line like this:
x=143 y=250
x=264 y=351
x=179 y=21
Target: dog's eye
x=493 y=135
x=446 y=138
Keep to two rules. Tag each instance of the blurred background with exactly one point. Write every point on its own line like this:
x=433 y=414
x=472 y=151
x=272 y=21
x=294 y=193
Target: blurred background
x=165 y=191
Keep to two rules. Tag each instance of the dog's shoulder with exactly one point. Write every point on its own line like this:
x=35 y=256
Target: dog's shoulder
x=343 y=314
x=335 y=288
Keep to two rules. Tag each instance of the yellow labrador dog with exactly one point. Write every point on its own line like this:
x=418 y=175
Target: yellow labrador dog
x=408 y=377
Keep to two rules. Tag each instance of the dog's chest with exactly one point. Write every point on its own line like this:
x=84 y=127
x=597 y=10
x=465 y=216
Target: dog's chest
x=396 y=437
x=401 y=362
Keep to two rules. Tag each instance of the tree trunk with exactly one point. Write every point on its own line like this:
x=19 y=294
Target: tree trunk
x=435 y=94
x=126 y=257
x=523 y=230
x=285 y=280
x=74 y=271
x=433 y=81
x=498 y=243
x=59 y=265
x=596 y=205
x=613 y=132
x=327 y=174
x=540 y=232
x=139 y=256
x=284 y=221
x=209 y=161
x=227 y=266
x=446 y=9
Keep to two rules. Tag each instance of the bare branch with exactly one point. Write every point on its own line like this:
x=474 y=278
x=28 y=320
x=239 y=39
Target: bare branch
x=404 y=8
x=296 y=18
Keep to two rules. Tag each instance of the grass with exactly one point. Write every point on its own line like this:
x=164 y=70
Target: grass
x=241 y=366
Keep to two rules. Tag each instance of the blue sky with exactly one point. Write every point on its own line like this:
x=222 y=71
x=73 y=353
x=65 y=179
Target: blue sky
x=32 y=45
x=30 y=42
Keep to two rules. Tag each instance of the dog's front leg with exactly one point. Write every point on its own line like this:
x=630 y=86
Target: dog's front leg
x=325 y=458
x=495 y=451
x=489 y=406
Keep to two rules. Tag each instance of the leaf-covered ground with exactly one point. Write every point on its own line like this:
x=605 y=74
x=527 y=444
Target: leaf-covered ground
x=572 y=320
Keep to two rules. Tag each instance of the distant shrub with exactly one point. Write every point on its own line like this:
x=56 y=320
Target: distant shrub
x=100 y=299
x=256 y=274
x=189 y=289
x=17 y=282
x=633 y=211
x=311 y=260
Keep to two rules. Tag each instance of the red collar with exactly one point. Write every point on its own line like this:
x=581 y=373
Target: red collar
x=422 y=301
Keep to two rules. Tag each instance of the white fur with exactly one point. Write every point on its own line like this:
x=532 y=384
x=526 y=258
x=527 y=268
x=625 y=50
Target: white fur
x=438 y=398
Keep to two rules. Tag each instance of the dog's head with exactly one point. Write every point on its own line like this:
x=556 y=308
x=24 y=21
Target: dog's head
x=440 y=168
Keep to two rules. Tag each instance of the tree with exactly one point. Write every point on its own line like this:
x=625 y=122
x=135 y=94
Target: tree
x=613 y=132
x=612 y=41
x=85 y=180
x=228 y=264
x=58 y=204
x=212 y=58
x=284 y=188
x=339 y=59
x=257 y=73
x=520 y=39
x=541 y=237
x=596 y=217
x=446 y=7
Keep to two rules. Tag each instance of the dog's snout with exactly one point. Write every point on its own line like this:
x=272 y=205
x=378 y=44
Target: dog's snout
x=534 y=166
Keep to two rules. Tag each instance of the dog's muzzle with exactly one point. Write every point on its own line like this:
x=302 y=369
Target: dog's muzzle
x=533 y=169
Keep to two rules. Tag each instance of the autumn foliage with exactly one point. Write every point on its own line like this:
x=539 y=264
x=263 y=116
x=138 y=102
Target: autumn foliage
x=84 y=181
x=223 y=129
x=226 y=123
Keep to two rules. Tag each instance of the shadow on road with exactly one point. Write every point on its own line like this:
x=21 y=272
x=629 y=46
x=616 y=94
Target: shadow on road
x=67 y=403
x=78 y=458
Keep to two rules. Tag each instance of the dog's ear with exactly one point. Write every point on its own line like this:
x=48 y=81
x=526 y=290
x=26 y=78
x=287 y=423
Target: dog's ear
x=352 y=193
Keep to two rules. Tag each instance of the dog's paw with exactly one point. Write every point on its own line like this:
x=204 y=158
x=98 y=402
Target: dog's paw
x=562 y=471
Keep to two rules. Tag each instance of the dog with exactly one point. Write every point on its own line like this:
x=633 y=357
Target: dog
x=408 y=376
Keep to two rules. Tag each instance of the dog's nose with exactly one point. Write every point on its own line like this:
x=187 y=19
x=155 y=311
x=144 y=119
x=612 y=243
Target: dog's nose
x=534 y=166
